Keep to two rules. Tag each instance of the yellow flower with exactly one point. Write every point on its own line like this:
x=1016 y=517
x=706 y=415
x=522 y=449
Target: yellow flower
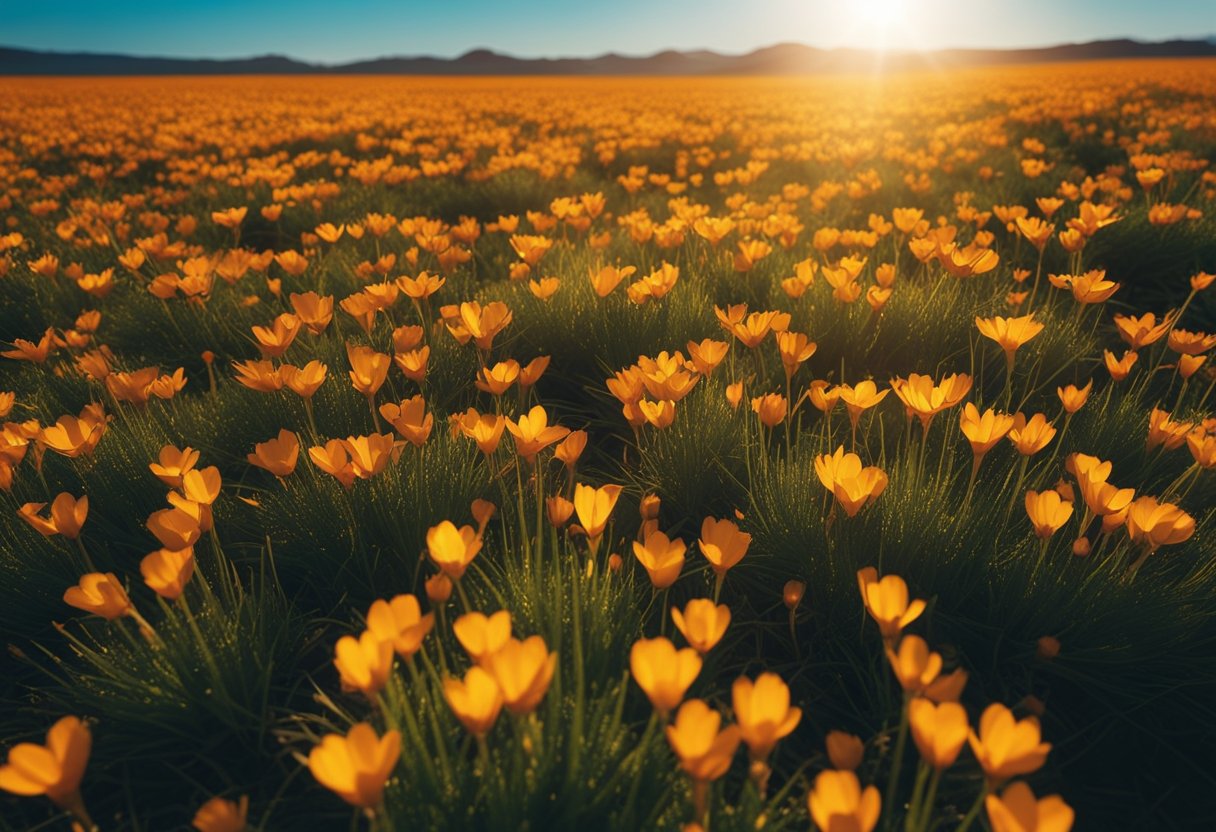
x=533 y=433
x=860 y=398
x=1155 y=524
x=167 y=571
x=723 y=544
x=220 y=815
x=1006 y=747
x=940 y=731
x=277 y=455
x=400 y=622
x=54 y=769
x=887 y=602
x=845 y=751
x=356 y=766
x=1047 y=511
x=410 y=419
x=480 y=635
x=771 y=408
x=915 y=666
x=173 y=464
x=662 y=672
x=762 y=709
x=364 y=662
x=452 y=549
x=838 y=804
x=67 y=516
x=1017 y=810
x=705 y=753
x=661 y=557
x=523 y=671
x=101 y=594
x=925 y=399
x=1074 y=398
x=594 y=507
x=1009 y=333
x=476 y=701
x=851 y=484
x=368 y=368
x=702 y=623
x=1032 y=436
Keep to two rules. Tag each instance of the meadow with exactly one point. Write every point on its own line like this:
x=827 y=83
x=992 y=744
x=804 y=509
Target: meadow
x=700 y=454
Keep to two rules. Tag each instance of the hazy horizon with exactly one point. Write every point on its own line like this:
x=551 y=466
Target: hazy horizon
x=313 y=31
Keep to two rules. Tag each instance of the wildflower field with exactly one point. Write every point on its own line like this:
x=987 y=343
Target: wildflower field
x=702 y=454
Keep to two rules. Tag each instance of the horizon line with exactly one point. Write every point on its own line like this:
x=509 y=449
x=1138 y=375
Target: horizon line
x=1210 y=38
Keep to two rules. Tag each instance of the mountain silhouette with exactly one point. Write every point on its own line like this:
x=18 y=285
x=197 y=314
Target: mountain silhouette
x=779 y=59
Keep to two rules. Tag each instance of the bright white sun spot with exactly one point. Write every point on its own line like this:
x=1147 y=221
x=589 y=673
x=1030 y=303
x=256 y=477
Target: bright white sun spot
x=881 y=13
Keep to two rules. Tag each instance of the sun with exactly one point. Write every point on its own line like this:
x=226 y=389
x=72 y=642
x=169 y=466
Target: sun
x=881 y=13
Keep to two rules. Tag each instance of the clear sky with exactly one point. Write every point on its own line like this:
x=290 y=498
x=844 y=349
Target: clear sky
x=342 y=30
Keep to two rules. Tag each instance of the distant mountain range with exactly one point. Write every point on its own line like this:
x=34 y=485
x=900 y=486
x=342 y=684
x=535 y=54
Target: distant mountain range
x=781 y=59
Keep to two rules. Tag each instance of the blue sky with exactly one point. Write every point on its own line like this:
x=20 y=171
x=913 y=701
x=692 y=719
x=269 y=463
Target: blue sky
x=340 y=30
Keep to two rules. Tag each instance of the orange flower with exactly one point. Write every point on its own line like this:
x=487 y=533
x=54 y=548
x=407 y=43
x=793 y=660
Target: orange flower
x=837 y=803
x=303 y=381
x=485 y=429
x=940 y=731
x=523 y=671
x=356 y=766
x=662 y=672
x=704 y=752
x=1119 y=368
x=1017 y=810
x=771 y=408
x=363 y=663
x=723 y=544
x=925 y=399
x=702 y=623
x=1047 y=512
x=277 y=455
x=262 y=376
x=1074 y=398
x=762 y=709
x=368 y=368
x=220 y=815
x=594 y=506
x=72 y=437
x=54 y=769
x=1155 y=524
x=860 y=398
x=1032 y=436
x=314 y=311
x=845 y=751
x=476 y=701
x=400 y=622
x=887 y=602
x=166 y=571
x=915 y=666
x=1006 y=747
x=983 y=432
x=482 y=635
x=851 y=484
x=333 y=459
x=100 y=594
x=67 y=516
x=1009 y=333
x=533 y=433
x=661 y=557
x=410 y=419
x=452 y=549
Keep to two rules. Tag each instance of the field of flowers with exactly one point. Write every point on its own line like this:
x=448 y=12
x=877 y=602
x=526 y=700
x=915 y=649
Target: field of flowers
x=721 y=454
